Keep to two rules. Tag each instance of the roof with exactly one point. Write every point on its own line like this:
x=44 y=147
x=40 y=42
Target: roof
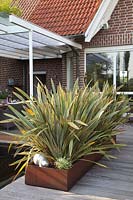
x=71 y=17
x=27 y=7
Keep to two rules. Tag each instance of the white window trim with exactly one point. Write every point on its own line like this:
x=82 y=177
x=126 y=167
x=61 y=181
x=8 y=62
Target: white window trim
x=68 y=61
x=39 y=72
x=112 y=49
x=68 y=73
x=109 y=49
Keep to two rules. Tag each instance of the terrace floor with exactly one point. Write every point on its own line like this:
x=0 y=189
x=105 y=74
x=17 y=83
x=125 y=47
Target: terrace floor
x=114 y=183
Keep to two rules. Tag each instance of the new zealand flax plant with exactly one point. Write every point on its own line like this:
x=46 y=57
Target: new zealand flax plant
x=67 y=125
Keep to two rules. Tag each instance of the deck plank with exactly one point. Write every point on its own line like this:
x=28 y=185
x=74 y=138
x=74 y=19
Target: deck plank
x=114 y=183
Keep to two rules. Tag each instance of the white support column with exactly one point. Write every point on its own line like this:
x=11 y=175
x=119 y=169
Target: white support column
x=31 y=62
x=114 y=69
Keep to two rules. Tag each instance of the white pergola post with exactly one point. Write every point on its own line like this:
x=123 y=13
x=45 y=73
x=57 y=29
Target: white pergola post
x=31 y=62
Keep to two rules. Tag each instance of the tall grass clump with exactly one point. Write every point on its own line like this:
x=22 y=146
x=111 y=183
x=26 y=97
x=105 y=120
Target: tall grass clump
x=67 y=125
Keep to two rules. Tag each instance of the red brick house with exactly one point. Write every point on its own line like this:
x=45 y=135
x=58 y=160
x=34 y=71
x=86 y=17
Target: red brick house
x=104 y=28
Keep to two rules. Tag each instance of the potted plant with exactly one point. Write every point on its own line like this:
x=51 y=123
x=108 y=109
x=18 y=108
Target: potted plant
x=67 y=130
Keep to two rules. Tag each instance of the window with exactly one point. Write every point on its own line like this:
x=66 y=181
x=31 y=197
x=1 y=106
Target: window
x=99 y=67
x=111 y=64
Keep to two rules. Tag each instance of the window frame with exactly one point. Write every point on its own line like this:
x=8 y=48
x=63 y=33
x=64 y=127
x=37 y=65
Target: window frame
x=113 y=49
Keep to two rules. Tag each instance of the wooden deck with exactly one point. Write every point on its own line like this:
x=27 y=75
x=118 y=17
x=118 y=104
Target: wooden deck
x=114 y=183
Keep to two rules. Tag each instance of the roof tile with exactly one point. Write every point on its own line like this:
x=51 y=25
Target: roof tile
x=65 y=17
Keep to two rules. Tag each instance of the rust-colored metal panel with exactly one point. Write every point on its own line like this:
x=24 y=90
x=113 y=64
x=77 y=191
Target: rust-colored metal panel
x=59 y=179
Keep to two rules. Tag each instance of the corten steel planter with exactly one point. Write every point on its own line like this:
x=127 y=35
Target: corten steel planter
x=59 y=179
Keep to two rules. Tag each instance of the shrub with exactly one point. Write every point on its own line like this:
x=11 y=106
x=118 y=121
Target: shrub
x=9 y=7
x=67 y=125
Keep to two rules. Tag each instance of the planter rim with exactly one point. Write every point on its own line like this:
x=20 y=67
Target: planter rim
x=84 y=159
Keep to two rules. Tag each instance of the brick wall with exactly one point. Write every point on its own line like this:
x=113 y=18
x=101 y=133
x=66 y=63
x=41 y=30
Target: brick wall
x=120 y=30
x=77 y=65
x=52 y=67
x=10 y=68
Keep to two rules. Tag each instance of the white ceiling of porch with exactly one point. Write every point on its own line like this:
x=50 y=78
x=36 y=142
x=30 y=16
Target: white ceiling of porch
x=14 y=40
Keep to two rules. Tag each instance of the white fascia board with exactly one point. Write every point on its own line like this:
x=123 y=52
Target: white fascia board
x=30 y=26
x=102 y=17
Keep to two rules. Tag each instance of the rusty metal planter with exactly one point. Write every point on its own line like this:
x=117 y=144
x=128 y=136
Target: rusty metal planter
x=58 y=179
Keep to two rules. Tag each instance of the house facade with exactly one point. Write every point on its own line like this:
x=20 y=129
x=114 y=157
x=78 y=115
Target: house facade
x=104 y=28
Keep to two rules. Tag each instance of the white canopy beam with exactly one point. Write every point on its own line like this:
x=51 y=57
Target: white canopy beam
x=31 y=63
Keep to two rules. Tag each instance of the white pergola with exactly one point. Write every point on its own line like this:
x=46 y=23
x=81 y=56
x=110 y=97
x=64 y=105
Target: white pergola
x=20 y=39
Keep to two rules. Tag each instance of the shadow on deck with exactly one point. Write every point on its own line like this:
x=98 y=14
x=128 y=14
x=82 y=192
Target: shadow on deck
x=114 y=183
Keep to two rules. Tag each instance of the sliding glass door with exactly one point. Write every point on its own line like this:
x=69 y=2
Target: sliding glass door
x=99 y=67
x=116 y=67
